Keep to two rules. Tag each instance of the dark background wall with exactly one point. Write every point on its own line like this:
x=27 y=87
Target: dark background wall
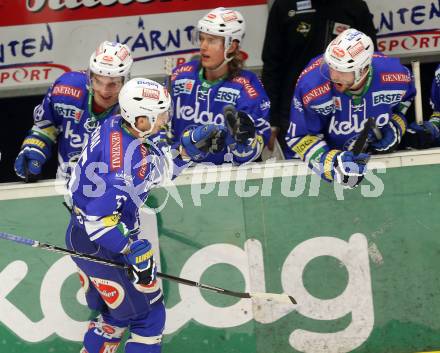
x=16 y=117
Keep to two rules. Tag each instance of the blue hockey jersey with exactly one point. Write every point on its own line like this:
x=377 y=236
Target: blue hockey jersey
x=435 y=95
x=322 y=118
x=197 y=101
x=65 y=117
x=112 y=179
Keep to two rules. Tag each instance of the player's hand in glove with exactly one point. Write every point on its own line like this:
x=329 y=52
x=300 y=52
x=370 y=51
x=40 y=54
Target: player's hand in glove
x=421 y=136
x=142 y=268
x=349 y=169
x=35 y=151
x=391 y=136
x=201 y=140
x=240 y=125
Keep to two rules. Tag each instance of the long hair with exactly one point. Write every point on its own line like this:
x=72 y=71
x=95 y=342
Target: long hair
x=236 y=64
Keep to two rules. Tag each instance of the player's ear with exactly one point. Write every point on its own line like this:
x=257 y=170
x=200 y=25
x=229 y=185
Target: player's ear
x=233 y=47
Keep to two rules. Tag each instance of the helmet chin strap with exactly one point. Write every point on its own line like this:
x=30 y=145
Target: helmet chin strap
x=360 y=79
x=225 y=61
x=142 y=134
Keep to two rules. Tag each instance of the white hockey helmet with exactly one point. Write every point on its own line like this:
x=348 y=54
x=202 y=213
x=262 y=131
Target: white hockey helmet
x=143 y=97
x=350 y=51
x=111 y=59
x=223 y=22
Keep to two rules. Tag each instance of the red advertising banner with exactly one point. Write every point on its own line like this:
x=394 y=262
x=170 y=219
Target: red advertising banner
x=22 y=12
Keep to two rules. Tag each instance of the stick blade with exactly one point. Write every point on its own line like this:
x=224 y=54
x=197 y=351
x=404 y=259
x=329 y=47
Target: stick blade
x=272 y=297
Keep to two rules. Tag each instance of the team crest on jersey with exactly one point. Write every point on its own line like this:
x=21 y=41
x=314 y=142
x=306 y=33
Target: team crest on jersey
x=387 y=97
x=68 y=111
x=183 y=86
x=65 y=90
x=315 y=93
x=116 y=158
x=227 y=95
x=394 y=77
x=111 y=292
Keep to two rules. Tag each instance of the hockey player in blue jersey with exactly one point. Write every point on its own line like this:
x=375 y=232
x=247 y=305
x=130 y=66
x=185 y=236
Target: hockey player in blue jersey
x=428 y=134
x=202 y=89
x=335 y=95
x=74 y=105
x=126 y=156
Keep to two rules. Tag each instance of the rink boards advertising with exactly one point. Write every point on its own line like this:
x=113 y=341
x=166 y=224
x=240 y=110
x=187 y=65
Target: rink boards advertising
x=362 y=264
x=41 y=39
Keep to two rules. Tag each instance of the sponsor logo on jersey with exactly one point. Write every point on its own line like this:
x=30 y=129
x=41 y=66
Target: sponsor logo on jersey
x=179 y=70
x=394 y=77
x=111 y=292
x=297 y=104
x=387 y=97
x=124 y=176
x=265 y=104
x=64 y=90
x=304 y=145
x=309 y=68
x=193 y=113
x=151 y=93
x=227 y=95
x=356 y=49
x=68 y=111
x=143 y=168
x=316 y=93
x=183 y=86
x=109 y=347
x=250 y=90
x=95 y=138
x=324 y=108
x=115 y=150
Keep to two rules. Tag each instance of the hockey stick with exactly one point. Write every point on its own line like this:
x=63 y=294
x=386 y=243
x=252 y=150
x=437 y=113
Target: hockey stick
x=270 y=297
x=415 y=65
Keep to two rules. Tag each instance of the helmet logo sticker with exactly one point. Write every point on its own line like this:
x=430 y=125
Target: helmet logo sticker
x=356 y=49
x=150 y=93
x=338 y=52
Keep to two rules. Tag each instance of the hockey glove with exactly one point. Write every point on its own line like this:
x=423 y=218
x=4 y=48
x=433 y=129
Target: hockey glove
x=349 y=169
x=142 y=268
x=391 y=135
x=35 y=151
x=240 y=125
x=421 y=136
x=201 y=140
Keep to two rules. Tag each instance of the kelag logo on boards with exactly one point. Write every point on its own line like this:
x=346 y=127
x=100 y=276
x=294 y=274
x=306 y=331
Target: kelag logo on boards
x=32 y=73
